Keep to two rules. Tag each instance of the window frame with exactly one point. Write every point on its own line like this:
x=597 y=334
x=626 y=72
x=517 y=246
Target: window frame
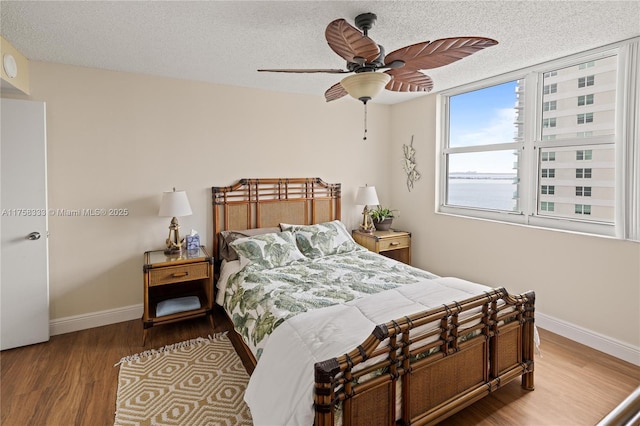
x=626 y=223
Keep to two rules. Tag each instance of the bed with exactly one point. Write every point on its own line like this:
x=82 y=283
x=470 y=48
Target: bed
x=336 y=334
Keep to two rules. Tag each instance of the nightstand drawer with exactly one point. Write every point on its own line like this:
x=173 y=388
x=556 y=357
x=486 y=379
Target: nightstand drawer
x=178 y=274
x=394 y=243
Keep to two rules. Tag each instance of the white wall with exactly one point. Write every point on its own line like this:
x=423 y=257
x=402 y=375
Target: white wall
x=118 y=140
x=589 y=282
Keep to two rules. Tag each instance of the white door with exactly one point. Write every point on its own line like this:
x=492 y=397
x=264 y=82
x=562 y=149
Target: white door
x=24 y=265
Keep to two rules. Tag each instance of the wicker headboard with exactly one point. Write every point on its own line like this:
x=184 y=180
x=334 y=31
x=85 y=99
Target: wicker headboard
x=261 y=203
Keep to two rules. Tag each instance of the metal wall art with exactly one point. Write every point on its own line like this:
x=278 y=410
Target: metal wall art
x=409 y=164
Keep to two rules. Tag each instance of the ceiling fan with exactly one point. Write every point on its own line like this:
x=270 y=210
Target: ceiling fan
x=402 y=67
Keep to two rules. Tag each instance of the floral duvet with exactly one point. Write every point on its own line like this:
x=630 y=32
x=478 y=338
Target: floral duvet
x=259 y=299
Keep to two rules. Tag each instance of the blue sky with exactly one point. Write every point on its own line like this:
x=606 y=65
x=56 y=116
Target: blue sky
x=483 y=117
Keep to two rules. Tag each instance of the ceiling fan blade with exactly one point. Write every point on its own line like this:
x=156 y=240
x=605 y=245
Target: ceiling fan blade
x=330 y=71
x=335 y=92
x=408 y=80
x=427 y=55
x=348 y=42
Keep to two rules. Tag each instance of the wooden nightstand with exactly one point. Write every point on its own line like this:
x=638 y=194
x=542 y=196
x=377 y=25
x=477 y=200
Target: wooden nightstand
x=393 y=244
x=189 y=273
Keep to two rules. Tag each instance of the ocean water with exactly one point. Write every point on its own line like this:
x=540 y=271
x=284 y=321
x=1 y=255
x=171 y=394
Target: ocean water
x=482 y=191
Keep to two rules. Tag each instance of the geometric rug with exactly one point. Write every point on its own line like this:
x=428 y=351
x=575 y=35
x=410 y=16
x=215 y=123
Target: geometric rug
x=197 y=382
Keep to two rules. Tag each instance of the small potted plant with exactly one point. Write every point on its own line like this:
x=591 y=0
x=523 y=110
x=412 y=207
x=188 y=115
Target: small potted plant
x=382 y=218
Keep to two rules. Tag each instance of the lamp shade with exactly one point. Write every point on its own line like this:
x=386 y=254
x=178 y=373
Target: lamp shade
x=367 y=196
x=365 y=85
x=174 y=203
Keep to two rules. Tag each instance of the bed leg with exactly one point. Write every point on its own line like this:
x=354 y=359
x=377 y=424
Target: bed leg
x=527 y=381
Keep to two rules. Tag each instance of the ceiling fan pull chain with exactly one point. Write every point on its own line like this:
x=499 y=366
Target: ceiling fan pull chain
x=364 y=137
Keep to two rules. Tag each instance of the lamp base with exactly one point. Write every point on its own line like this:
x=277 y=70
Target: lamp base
x=173 y=250
x=174 y=243
x=367 y=224
x=366 y=230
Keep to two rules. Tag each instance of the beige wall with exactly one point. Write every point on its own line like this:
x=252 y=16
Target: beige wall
x=118 y=140
x=569 y=272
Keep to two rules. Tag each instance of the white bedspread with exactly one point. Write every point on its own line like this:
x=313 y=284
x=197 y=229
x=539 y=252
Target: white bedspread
x=280 y=391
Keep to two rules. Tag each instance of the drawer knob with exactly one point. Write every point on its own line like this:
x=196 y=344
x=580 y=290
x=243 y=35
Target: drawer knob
x=394 y=243
x=180 y=274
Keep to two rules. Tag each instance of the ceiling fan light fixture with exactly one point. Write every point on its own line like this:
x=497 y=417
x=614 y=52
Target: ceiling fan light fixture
x=364 y=86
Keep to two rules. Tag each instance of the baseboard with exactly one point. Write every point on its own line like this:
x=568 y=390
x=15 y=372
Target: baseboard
x=94 y=319
x=589 y=338
x=581 y=335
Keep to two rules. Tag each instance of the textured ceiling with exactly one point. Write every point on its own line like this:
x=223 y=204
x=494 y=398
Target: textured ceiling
x=227 y=41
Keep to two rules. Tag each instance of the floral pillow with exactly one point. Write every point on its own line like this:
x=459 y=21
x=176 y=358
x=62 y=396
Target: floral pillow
x=323 y=239
x=226 y=237
x=268 y=250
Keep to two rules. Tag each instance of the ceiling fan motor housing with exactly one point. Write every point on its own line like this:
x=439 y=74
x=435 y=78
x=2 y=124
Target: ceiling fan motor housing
x=365 y=21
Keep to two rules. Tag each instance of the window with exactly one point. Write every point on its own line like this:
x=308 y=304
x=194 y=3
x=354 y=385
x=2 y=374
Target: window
x=583 y=173
x=586 y=81
x=583 y=209
x=482 y=154
x=585 y=118
x=548 y=173
x=514 y=142
x=585 y=100
x=547 y=206
x=585 y=154
x=583 y=191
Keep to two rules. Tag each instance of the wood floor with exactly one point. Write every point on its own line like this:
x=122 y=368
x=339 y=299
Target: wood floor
x=71 y=380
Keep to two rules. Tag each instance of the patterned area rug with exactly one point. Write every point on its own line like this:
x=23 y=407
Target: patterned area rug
x=198 y=382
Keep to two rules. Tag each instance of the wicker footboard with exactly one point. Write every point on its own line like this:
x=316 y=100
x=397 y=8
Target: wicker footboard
x=437 y=362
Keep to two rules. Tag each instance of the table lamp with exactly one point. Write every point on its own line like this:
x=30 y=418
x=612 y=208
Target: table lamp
x=367 y=196
x=174 y=203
